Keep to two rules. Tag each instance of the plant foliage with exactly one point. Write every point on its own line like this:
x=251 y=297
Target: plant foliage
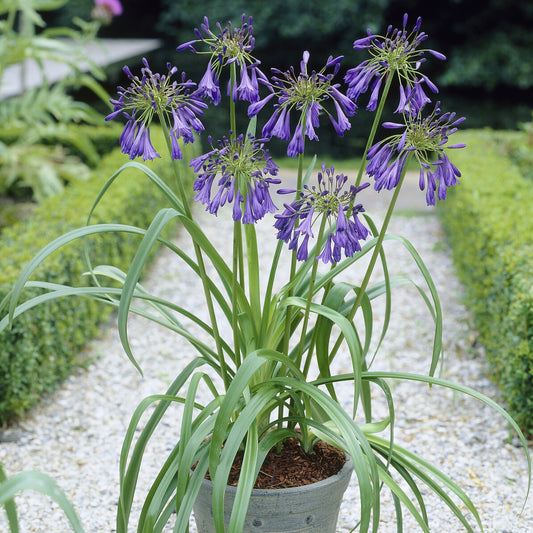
x=35 y=481
x=41 y=349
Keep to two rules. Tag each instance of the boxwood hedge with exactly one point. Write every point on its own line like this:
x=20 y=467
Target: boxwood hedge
x=43 y=345
x=489 y=221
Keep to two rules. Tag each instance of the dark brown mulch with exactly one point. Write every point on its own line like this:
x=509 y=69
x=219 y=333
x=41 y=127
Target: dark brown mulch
x=293 y=467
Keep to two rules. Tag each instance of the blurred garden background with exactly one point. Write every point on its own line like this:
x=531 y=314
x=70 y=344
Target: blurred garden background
x=54 y=138
x=488 y=75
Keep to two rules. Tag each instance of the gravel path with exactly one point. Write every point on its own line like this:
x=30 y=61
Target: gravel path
x=75 y=434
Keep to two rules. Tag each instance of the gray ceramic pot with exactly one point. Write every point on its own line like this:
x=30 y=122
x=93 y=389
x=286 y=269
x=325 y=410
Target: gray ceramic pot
x=307 y=509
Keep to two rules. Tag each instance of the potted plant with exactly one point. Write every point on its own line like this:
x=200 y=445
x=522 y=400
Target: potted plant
x=267 y=346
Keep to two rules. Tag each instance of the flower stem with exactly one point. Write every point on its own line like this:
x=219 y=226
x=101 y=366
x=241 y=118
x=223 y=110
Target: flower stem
x=373 y=259
x=310 y=295
x=237 y=267
x=289 y=311
x=377 y=118
x=199 y=258
x=293 y=258
x=238 y=252
x=232 y=114
x=254 y=283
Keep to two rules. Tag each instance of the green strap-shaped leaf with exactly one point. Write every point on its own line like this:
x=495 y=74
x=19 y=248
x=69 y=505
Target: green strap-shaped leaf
x=55 y=245
x=42 y=483
x=128 y=473
x=134 y=273
x=430 y=380
x=9 y=505
x=348 y=331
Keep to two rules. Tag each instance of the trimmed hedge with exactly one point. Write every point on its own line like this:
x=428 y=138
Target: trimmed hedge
x=43 y=346
x=489 y=222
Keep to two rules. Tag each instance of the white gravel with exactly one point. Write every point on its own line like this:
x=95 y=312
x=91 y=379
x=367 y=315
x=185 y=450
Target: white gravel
x=75 y=434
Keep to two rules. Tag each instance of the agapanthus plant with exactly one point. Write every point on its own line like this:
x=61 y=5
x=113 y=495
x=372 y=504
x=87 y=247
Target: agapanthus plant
x=305 y=95
x=267 y=349
x=330 y=206
x=245 y=172
x=153 y=94
x=232 y=44
x=396 y=53
x=422 y=138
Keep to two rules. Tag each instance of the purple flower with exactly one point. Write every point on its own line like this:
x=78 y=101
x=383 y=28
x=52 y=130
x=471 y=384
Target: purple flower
x=231 y=45
x=422 y=138
x=444 y=176
x=248 y=89
x=239 y=171
x=396 y=52
x=305 y=95
x=155 y=94
x=209 y=87
x=330 y=204
x=296 y=146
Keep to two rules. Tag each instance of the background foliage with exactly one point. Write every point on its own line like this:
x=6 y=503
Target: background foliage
x=36 y=121
x=490 y=235
x=43 y=346
x=488 y=76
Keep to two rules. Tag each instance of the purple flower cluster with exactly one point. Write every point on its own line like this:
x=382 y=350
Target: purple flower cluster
x=231 y=45
x=422 y=138
x=306 y=94
x=239 y=171
x=329 y=202
x=396 y=52
x=155 y=94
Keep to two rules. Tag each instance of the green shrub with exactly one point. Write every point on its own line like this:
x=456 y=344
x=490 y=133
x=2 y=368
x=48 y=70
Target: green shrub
x=520 y=148
x=43 y=346
x=489 y=223
x=60 y=153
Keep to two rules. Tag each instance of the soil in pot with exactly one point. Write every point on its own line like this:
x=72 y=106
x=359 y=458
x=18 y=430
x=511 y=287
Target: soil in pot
x=292 y=467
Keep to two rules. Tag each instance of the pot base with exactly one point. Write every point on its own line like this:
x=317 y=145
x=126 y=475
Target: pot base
x=312 y=508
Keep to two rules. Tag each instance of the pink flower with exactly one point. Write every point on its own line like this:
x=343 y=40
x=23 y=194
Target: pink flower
x=114 y=6
x=104 y=10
